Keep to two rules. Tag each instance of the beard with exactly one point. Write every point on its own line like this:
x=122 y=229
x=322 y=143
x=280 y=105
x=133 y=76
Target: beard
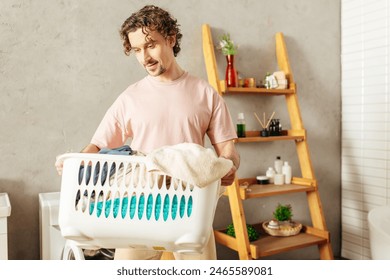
x=161 y=70
x=155 y=72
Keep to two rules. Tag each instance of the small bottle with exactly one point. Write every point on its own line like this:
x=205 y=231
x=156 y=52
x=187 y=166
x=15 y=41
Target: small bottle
x=271 y=128
x=270 y=174
x=279 y=127
x=241 y=125
x=286 y=170
x=276 y=130
x=278 y=165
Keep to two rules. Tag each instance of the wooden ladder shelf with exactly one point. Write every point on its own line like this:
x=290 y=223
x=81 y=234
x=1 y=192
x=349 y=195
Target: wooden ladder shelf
x=267 y=245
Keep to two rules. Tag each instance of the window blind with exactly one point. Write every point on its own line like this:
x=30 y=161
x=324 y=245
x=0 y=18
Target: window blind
x=365 y=119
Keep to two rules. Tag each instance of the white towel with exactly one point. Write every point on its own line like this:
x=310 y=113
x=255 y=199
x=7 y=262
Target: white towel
x=189 y=162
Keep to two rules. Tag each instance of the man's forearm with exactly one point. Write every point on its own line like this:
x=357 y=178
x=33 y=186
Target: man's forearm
x=228 y=150
x=91 y=148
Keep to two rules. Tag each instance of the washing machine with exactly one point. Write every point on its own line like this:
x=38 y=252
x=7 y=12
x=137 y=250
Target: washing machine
x=5 y=212
x=52 y=245
x=51 y=241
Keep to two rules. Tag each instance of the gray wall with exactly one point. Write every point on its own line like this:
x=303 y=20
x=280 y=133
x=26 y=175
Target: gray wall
x=62 y=65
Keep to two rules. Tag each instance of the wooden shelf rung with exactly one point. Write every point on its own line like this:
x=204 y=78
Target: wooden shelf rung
x=271 y=245
x=268 y=245
x=254 y=90
x=254 y=136
x=250 y=189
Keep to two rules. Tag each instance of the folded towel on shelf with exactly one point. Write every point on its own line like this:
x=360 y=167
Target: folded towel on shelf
x=189 y=162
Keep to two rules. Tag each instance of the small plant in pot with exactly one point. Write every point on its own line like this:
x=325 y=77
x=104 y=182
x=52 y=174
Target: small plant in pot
x=283 y=212
x=282 y=216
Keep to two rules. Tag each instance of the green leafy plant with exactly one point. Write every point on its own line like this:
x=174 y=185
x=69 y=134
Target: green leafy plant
x=283 y=212
x=252 y=233
x=226 y=45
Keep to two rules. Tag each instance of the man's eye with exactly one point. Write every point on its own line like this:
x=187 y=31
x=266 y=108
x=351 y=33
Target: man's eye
x=150 y=46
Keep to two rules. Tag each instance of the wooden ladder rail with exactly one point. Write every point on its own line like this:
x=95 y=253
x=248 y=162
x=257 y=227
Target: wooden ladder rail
x=236 y=207
x=313 y=198
x=209 y=57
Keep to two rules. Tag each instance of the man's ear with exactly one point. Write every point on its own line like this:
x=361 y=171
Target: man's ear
x=171 y=40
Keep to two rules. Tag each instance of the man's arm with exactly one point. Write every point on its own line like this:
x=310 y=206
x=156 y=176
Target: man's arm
x=228 y=150
x=90 y=148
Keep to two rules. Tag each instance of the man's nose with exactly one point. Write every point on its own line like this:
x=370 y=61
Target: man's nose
x=145 y=56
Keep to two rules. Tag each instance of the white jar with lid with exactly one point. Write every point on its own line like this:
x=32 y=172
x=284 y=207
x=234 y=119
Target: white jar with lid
x=262 y=180
x=279 y=179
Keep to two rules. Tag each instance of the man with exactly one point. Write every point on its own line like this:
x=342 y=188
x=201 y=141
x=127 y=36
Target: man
x=167 y=107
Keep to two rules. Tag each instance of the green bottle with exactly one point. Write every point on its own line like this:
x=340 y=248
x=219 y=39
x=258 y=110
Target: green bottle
x=241 y=125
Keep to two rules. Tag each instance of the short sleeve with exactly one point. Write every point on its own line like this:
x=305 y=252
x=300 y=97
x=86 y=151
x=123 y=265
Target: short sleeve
x=221 y=127
x=109 y=133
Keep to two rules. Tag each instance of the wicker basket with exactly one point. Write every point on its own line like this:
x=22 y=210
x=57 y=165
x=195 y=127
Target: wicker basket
x=292 y=229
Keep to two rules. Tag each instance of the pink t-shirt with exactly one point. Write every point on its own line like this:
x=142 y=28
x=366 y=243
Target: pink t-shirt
x=154 y=114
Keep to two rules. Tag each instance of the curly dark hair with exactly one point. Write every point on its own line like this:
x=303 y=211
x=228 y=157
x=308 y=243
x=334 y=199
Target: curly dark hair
x=151 y=18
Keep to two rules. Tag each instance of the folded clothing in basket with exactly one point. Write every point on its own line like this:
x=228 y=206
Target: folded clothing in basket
x=123 y=150
x=189 y=162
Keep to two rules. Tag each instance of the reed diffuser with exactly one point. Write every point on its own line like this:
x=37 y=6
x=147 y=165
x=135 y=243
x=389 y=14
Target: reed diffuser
x=264 y=124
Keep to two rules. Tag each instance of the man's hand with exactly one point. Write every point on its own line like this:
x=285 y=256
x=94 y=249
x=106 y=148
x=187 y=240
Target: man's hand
x=228 y=179
x=59 y=164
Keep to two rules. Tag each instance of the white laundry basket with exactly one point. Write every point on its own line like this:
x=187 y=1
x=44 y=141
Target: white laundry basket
x=111 y=201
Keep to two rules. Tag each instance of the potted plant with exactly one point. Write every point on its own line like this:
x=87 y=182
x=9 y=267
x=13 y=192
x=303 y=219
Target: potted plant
x=282 y=224
x=282 y=217
x=283 y=213
x=252 y=233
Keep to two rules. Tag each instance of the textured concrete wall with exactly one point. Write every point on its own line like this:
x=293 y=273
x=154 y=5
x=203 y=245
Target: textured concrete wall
x=62 y=65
